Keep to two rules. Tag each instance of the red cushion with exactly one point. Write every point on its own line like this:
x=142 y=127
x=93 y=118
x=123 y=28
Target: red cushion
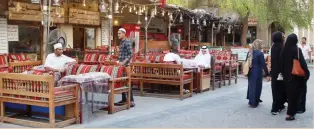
x=3 y=60
x=186 y=76
x=86 y=69
x=17 y=57
x=218 y=67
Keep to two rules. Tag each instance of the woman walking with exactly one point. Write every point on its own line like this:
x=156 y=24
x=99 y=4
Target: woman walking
x=277 y=85
x=293 y=82
x=255 y=76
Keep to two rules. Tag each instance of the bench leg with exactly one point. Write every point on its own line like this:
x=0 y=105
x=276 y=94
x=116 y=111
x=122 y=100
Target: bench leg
x=191 y=88
x=51 y=114
x=230 y=75
x=141 y=88
x=2 y=111
x=111 y=103
x=181 y=91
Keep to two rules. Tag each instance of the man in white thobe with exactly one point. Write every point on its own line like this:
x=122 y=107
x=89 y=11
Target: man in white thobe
x=203 y=58
x=56 y=61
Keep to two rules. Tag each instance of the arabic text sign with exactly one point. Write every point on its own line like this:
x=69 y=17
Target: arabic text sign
x=3 y=36
x=13 y=33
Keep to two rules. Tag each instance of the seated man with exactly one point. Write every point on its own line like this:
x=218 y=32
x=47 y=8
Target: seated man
x=56 y=61
x=203 y=58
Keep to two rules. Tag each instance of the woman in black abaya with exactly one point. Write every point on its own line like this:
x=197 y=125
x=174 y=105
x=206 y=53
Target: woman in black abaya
x=293 y=83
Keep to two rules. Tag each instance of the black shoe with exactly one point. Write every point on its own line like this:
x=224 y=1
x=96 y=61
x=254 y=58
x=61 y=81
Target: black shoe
x=260 y=101
x=291 y=118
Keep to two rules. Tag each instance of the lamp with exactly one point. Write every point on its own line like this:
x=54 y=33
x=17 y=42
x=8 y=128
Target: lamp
x=152 y=13
x=197 y=21
x=102 y=7
x=193 y=21
x=130 y=9
x=163 y=13
x=204 y=22
x=116 y=8
x=84 y=4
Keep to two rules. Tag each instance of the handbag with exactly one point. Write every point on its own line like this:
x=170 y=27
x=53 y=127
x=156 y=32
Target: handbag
x=246 y=66
x=296 y=68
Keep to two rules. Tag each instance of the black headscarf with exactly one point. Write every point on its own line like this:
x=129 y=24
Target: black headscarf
x=290 y=53
x=276 y=49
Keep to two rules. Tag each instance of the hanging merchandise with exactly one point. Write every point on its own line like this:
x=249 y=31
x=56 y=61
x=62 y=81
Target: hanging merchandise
x=204 y=22
x=193 y=21
x=197 y=21
x=163 y=13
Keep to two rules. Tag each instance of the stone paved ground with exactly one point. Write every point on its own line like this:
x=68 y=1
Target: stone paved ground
x=225 y=107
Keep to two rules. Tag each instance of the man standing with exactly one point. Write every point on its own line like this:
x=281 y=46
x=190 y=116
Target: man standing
x=125 y=56
x=56 y=61
x=306 y=49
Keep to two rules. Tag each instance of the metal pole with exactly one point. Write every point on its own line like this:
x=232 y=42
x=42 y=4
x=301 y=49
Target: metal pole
x=45 y=29
x=146 y=26
x=189 y=34
x=110 y=26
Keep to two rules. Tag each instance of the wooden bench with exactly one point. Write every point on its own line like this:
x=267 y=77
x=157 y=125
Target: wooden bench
x=38 y=90
x=19 y=67
x=170 y=74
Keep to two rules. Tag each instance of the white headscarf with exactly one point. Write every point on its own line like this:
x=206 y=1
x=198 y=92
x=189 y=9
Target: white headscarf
x=203 y=59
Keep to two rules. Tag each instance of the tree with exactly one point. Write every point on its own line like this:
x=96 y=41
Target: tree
x=286 y=13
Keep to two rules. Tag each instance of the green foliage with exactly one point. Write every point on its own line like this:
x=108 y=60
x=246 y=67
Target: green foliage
x=286 y=12
x=182 y=3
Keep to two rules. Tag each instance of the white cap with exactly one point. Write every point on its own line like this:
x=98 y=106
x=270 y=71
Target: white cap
x=58 y=45
x=122 y=29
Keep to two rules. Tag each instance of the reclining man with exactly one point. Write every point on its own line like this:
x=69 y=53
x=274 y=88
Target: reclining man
x=56 y=62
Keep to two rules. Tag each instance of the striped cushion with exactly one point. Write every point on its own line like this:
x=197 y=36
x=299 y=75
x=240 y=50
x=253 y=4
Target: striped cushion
x=86 y=69
x=91 y=57
x=4 y=70
x=103 y=57
x=72 y=68
x=159 y=58
x=113 y=71
x=3 y=60
x=17 y=57
x=38 y=72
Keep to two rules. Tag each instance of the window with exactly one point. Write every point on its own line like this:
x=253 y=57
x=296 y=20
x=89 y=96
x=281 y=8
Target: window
x=29 y=40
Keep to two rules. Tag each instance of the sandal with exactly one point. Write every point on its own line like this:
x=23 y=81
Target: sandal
x=132 y=104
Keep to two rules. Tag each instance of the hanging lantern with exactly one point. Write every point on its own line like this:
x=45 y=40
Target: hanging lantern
x=197 y=21
x=102 y=7
x=116 y=8
x=181 y=18
x=84 y=4
x=56 y=3
x=204 y=22
x=219 y=25
x=214 y=25
x=163 y=13
x=229 y=29
x=193 y=21
x=140 y=11
x=170 y=17
x=130 y=9
x=139 y=22
x=152 y=13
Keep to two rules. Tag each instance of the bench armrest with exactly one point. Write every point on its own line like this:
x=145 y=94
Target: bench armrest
x=119 y=79
x=67 y=87
x=188 y=71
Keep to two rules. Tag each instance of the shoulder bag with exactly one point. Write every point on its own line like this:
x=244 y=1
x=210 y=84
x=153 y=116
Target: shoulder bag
x=296 y=68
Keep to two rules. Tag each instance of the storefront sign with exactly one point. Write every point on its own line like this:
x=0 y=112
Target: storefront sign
x=13 y=33
x=105 y=33
x=252 y=21
x=3 y=36
x=77 y=16
x=32 y=12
